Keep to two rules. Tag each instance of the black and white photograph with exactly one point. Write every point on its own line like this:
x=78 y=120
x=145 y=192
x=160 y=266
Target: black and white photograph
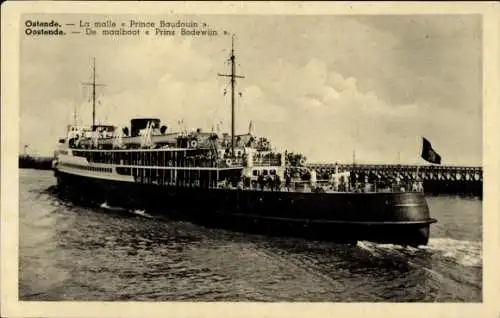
x=171 y=156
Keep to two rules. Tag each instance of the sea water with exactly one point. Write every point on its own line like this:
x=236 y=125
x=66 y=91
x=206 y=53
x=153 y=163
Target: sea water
x=70 y=252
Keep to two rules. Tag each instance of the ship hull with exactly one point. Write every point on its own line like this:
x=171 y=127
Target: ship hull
x=395 y=218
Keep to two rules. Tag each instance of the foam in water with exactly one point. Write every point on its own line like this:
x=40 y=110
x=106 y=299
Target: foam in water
x=466 y=253
x=106 y=206
x=141 y=213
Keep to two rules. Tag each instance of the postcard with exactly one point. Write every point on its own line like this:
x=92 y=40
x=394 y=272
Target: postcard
x=249 y=159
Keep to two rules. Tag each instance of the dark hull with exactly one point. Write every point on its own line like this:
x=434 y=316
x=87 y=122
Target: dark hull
x=397 y=218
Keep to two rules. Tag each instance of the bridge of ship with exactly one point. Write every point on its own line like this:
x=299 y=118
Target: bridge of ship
x=405 y=172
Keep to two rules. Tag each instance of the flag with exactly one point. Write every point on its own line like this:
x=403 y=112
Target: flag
x=429 y=154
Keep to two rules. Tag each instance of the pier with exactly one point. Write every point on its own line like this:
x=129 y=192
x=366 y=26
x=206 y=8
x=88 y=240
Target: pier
x=437 y=179
x=35 y=162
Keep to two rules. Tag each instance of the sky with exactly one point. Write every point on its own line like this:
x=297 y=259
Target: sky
x=325 y=86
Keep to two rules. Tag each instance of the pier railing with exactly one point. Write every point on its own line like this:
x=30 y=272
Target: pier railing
x=35 y=162
x=439 y=173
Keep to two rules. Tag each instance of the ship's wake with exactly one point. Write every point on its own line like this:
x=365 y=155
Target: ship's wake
x=138 y=212
x=465 y=253
x=106 y=206
x=461 y=252
x=141 y=213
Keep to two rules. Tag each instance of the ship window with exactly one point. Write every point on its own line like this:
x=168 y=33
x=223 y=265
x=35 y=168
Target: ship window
x=273 y=172
x=264 y=172
x=255 y=172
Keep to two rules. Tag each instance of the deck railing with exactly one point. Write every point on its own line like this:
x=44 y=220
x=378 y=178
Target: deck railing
x=361 y=187
x=267 y=162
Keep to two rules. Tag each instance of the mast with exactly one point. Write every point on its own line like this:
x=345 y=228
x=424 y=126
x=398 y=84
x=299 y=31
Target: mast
x=233 y=72
x=233 y=77
x=93 y=93
x=93 y=84
x=74 y=116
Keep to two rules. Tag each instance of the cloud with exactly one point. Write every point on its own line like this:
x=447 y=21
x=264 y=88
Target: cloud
x=366 y=85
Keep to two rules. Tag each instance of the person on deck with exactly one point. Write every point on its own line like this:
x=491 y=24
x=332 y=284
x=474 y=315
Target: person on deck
x=260 y=181
x=240 y=185
x=247 y=182
x=313 y=178
x=270 y=182
x=277 y=183
x=414 y=186
x=287 y=181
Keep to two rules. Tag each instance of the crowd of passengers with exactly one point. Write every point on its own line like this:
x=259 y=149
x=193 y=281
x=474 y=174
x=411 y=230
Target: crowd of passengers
x=305 y=180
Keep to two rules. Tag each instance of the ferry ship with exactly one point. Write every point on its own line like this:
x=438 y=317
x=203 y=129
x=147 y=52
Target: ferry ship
x=237 y=182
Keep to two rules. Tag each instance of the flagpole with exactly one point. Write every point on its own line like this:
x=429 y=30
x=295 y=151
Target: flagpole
x=418 y=163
